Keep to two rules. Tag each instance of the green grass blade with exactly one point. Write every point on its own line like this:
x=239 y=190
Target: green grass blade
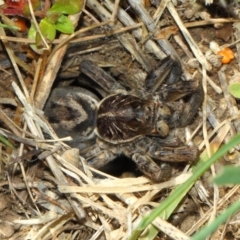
x=6 y=142
x=161 y=210
x=208 y=230
x=229 y=175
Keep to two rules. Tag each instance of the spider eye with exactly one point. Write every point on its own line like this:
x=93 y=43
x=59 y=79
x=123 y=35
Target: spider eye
x=162 y=128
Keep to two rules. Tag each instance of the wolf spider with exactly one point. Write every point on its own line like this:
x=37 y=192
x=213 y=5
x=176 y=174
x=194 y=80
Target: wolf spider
x=135 y=123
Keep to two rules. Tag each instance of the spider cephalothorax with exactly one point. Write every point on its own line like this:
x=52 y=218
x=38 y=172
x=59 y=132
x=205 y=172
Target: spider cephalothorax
x=123 y=117
x=134 y=123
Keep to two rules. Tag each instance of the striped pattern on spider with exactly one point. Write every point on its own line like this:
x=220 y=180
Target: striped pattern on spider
x=135 y=123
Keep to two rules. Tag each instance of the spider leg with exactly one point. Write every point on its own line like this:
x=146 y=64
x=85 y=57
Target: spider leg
x=180 y=154
x=103 y=79
x=98 y=155
x=172 y=154
x=192 y=107
x=184 y=113
x=147 y=166
x=146 y=150
x=178 y=90
x=168 y=70
x=167 y=153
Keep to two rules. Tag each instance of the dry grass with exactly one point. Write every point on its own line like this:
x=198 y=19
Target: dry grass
x=60 y=198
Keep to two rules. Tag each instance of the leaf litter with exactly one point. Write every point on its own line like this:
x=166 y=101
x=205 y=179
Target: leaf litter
x=47 y=189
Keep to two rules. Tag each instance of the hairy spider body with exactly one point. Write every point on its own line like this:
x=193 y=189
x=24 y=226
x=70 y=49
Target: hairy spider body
x=124 y=117
x=125 y=122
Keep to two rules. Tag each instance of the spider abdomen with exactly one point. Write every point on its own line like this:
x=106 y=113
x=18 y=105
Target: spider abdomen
x=72 y=111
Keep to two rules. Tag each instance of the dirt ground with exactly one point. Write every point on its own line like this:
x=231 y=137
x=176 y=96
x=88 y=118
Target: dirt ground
x=47 y=191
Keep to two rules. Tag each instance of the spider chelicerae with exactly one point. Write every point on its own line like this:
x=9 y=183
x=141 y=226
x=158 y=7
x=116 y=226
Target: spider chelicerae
x=135 y=123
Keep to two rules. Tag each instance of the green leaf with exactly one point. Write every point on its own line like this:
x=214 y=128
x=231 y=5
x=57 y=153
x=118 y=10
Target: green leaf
x=67 y=6
x=48 y=30
x=35 y=5
x=53 y=17
x=230 y=175
x=6 y=142
x=149 y=233
x=32 y=32
x=32 y=35
x=234 y=89
x=64 y=25
x=63 y=9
